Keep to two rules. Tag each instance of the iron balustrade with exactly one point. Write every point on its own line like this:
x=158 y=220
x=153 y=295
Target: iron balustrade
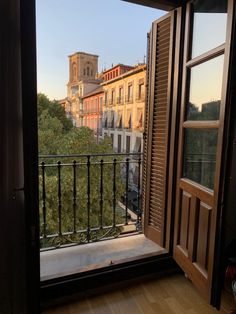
x=86 y=198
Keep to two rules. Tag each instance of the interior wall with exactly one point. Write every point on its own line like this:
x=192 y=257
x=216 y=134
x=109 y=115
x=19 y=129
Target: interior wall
x=12 y=214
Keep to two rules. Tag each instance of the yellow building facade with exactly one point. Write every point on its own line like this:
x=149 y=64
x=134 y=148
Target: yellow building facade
x=123 y=109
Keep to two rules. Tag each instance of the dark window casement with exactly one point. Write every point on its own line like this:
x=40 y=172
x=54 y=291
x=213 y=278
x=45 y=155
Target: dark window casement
x=119 y=143
x=119 y=120
x=127 y=144
x=112 y=138
x=128 y=121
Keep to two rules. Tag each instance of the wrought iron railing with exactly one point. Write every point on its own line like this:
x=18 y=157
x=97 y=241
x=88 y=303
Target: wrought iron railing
x=86 y=198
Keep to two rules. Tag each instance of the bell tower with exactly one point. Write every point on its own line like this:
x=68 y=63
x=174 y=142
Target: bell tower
x=82 y=66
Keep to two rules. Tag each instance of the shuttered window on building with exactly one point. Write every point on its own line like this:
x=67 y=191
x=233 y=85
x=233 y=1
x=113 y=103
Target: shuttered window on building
x=157 y=127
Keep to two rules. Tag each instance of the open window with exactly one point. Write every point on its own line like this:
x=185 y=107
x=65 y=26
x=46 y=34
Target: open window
x=203 y=104
x=198 y=196
x=196 y=100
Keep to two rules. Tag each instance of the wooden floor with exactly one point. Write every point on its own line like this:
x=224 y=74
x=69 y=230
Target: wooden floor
x=169 y=295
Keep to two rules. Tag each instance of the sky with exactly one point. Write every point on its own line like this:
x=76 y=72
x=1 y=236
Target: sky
x=113 y=29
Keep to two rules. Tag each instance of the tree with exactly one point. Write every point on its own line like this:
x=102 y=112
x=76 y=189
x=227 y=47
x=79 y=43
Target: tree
x=50 y=130
x=55 y=138
x=55 y=110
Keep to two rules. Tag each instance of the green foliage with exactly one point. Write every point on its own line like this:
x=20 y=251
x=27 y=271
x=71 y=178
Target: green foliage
x=50 y=130
x=55 y=110
x=58 y=136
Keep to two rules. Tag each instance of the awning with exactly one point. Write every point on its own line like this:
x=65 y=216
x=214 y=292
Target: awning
x=128 y=120
x=119 y=120
x=140 y=118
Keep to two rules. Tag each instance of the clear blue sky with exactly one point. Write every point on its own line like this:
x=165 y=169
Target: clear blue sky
x=113 y=29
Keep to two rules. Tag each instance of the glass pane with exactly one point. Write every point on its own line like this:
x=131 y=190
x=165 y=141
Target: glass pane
x=200 y=156
x=205 y=90
x=209 y=25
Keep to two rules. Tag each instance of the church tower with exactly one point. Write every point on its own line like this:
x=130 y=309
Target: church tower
x=83 y=68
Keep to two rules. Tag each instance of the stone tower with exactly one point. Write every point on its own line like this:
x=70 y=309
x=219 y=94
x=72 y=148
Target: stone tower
x=82 y=66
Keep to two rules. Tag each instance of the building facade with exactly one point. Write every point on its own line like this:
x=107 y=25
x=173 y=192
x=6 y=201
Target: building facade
x=92 y=110
x=83 y=68
x=123 y=111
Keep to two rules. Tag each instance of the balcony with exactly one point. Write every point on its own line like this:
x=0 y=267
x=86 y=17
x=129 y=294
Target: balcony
x=84 y=198
x=87 y=199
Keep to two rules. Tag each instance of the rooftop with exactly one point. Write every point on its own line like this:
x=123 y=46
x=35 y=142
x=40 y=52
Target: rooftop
x=97 y=90
x=83 y=53
x=136 y=69
x=118 y=65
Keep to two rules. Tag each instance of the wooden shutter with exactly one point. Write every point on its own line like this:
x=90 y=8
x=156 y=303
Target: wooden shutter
x=157 y=119
x=144 y=174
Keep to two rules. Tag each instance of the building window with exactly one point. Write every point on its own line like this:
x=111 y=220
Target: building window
x=119 y=143
x=110 y=119
x=74 y=89
x=105 y=119
x=95 y=109
x=105 y=98
x=87 y=71
x=119 y=120
x=101 y=99
x=112 y=97
x=141 y=91
x=130 y=93
x=127 y=144
x=74 y=70
x=84 y=71
x=121 y=95
x=112 y=138
x=137 y=146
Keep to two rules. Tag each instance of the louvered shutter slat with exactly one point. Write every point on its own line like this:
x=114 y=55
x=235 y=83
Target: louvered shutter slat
x=157 y=129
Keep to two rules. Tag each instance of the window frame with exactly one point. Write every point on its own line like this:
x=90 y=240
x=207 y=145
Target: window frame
x=188 y=65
